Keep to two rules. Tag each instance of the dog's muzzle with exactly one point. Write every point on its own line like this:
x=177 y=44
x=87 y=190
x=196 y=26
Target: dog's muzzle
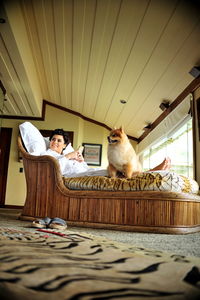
x=110 y=141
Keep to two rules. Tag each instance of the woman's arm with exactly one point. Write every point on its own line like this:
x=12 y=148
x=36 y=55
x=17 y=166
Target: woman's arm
x=76 y=155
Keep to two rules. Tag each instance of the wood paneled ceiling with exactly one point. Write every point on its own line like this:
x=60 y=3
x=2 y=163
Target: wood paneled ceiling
x=87 y=55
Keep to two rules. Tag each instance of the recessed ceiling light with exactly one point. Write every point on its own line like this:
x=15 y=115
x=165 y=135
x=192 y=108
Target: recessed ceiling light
x=123 y=101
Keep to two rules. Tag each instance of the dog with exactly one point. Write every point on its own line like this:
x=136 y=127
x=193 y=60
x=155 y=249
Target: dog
x=121 y=155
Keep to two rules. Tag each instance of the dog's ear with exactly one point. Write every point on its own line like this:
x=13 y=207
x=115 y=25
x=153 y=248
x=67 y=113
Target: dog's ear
x=121 y=129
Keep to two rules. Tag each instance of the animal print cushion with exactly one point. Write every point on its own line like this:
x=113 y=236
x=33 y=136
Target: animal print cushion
x=147 y=181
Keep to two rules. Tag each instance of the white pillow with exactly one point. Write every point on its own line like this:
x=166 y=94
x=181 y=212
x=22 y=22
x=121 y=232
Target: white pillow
x=47 y=142
x=68 y=149
x=32 y=138
x=34 y=142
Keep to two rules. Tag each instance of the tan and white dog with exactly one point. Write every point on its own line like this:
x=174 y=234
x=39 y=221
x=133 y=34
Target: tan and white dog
x=121 y=155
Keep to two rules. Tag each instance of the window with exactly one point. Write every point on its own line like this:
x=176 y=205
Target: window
x=178 y=146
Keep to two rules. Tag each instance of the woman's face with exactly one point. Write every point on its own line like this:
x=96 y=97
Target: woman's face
x=57 y=143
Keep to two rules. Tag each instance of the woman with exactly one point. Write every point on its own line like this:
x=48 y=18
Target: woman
x=72 y=163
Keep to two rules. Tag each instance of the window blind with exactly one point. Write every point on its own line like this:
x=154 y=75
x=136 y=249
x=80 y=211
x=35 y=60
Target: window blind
x=174 y=120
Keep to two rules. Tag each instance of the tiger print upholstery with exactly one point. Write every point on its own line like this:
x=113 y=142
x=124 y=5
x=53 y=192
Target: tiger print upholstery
x=147 y=181
x=38 y=265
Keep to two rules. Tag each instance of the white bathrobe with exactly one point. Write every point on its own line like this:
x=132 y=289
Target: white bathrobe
x=73 y=168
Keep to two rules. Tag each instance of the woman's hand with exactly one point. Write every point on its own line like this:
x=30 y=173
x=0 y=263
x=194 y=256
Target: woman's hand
x=76 y=155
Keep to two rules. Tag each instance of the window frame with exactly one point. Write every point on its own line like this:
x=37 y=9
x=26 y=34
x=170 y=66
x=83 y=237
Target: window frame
x=164 y=142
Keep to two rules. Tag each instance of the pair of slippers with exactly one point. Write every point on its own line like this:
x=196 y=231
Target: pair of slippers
x=55 y=223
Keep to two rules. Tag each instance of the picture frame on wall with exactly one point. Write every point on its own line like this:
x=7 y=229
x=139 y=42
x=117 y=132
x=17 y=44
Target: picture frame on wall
x=92 y=154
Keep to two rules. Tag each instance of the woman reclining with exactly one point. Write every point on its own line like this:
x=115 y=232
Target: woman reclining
x=72 y=164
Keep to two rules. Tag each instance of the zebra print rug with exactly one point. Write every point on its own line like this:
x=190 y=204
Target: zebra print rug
x=52 y=265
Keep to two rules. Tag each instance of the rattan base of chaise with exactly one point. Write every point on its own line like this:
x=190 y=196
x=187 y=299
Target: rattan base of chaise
x=141 y=211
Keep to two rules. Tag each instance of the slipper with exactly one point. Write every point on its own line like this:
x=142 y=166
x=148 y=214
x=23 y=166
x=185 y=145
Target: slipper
x=41 y=223
x=57 y=223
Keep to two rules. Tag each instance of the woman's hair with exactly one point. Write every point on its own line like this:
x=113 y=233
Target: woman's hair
x=60 y=132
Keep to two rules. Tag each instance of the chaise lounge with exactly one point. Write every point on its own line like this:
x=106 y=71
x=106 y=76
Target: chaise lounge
x=151 y=202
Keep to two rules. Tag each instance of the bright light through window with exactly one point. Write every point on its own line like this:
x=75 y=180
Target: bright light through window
x=178 y=146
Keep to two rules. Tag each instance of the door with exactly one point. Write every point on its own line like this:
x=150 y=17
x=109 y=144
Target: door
x=5 y=141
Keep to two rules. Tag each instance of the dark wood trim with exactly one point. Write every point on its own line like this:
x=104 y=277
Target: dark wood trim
x=13 y=206
x=21 y=118
x=5 y=143
x=45 y=102
x=189 y=89
x=42 y=118
x=194 y=132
